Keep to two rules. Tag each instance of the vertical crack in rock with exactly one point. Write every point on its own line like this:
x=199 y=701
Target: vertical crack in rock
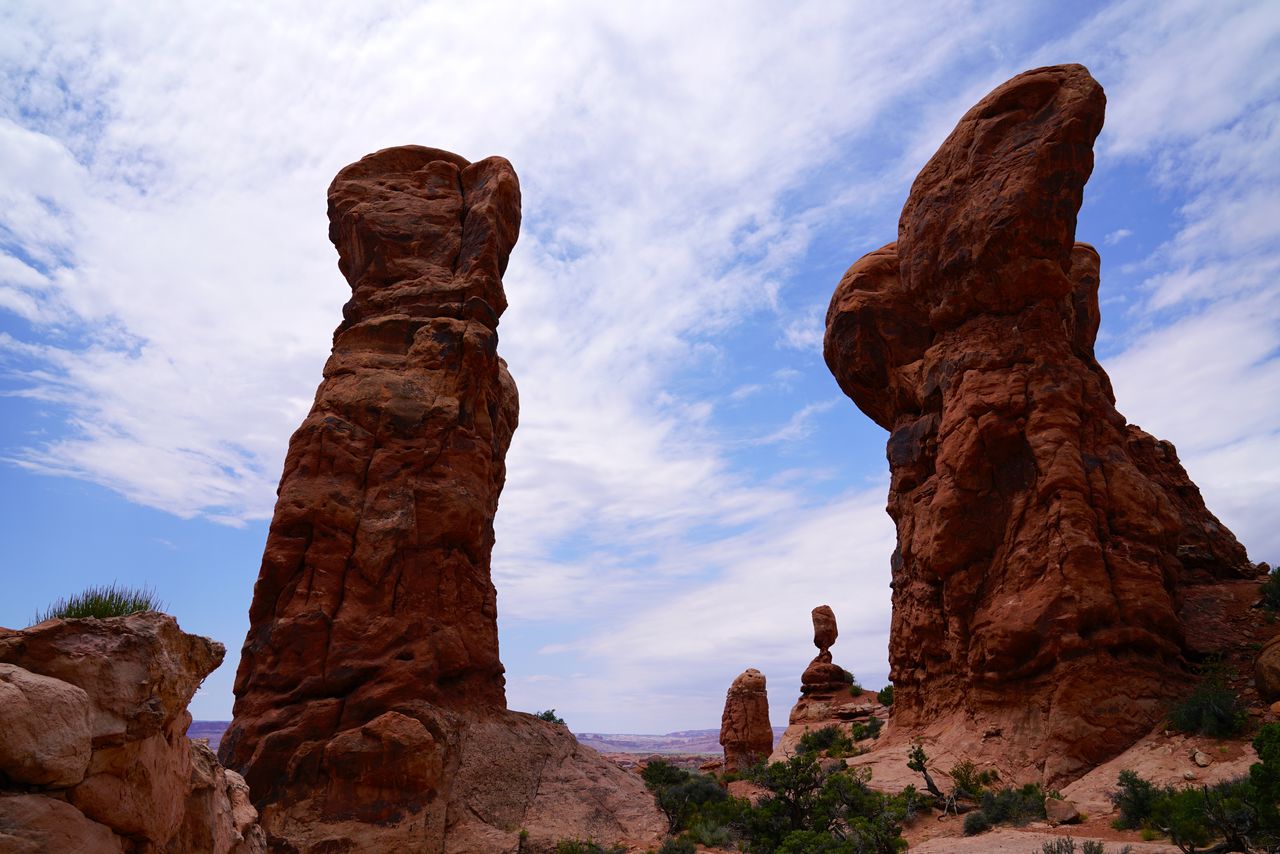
x=1044 y=544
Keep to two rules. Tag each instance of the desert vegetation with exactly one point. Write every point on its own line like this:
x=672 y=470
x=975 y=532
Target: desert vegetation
x=102 y=601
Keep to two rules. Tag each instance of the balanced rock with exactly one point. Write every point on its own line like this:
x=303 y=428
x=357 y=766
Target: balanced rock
x=1042 y=540
x=824 y=628
x=746 y=733
x=94 y=712
x=823 y=676
x=371 y=660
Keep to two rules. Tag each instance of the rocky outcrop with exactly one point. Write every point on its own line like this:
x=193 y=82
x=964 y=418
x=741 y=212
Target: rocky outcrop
x=371 y=660
x=823 y=676
x=827 y=695
x=1044 y=544
x=746 y=735
x=93 y=751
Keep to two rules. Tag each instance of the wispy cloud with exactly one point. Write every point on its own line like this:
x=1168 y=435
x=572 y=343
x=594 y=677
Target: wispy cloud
x=163 y=232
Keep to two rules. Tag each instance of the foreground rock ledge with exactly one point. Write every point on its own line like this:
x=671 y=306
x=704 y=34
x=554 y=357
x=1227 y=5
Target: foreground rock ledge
x=1045 y=546
x=370 y=705
x=93 y=721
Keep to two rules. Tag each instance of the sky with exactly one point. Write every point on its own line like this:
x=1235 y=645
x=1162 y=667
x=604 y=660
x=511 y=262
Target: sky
x=687 y=481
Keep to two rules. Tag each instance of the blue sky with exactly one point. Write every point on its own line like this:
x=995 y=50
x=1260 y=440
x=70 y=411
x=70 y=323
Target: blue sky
x=687 y=481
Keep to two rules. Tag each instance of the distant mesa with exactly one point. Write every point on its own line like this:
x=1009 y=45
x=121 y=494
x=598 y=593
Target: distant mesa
x=1046 y=548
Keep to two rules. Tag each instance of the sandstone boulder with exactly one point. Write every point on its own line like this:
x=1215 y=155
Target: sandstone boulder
x=1043 y=542
x=103 y=703
x=1266 y=670
x=746 y=733
x=824 y=627
x=44 y=729
x=37 y=824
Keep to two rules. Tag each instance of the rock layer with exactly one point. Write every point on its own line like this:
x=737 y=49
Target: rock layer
x=372 y=653
x=746 y=735
x=93 y=716
x=1043 y=542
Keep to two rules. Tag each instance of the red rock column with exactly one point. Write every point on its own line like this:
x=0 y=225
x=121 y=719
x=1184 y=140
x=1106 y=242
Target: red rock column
x=1043 y=543
x=374 y=608
x=745 y=731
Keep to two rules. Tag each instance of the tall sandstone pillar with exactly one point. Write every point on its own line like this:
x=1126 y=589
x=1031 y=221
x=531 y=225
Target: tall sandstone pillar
x=370 y=708
x=1044 y=544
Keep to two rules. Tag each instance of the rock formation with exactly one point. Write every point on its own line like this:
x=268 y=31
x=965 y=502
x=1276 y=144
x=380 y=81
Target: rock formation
x=745 y=731
x=1044 y=544
x=93 y=751
x=822 y=676
x=826 y=692
x=369 y=683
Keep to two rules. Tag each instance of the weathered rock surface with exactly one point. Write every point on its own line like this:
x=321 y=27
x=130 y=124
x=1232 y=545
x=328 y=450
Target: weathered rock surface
x=1266 y=670
x=823 y=676
x=94 y=714
x=44 y=729
x=372 y=653
x=746 y=735
x=1043 y=542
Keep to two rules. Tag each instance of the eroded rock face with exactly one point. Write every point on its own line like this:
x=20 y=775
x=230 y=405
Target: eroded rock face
x=1042 y=541
x=94 y=713
x=745 y=731
x=372 y=653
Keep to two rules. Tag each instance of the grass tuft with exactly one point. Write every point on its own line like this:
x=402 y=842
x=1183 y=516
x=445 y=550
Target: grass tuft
x=108 y=600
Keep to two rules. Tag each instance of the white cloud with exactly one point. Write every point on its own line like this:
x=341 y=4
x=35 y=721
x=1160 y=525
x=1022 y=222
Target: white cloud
x=1116 y=236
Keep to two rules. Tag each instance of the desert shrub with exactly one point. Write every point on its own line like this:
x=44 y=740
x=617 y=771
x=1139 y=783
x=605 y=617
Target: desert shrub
x=710 y=828
x=1240 y=813
x=829 y=739
x=1271 y=590
x=681 y=845
x=975 y=823
x=1213 y=709
x=685 y=797
x=1013 y=806
x=108 y=600
x=586 y=846
x=681 y=802
x=1061 y=845
x=885 y=695
x=967 y=781
x=660 y=773
x=1135 y=798
x=550 y=717
x=809 y=811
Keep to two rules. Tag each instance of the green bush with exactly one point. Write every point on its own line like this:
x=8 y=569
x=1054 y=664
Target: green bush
x=830 y=739
x=1213 y=709
x=975 y=823
x=968 y=782
x=682 y=845
x=1271 y=590
x=809 y=811
x=551 y=717
x=885 y=695
x=1135 y=798
x=584 y=846
x=1013 y=806
x=105 y=601
x=1241 y=813
x=688 y=799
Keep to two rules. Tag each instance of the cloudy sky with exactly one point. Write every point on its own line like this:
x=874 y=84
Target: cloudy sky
x=687 y=481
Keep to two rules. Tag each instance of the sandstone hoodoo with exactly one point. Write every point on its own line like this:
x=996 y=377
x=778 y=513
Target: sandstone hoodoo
x=823 y=676
x=370 y=706
x=1045 y=546
x=745 y=731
